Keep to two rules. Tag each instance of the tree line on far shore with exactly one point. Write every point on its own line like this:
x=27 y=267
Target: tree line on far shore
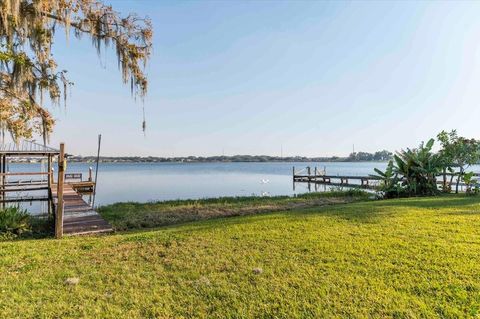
x=353 y=157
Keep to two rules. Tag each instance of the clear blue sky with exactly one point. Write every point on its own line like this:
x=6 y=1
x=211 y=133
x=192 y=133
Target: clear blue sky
x=247 y=77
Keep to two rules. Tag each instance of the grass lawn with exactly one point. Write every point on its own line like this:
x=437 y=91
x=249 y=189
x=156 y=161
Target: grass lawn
x=132 y=215
x=394 y=258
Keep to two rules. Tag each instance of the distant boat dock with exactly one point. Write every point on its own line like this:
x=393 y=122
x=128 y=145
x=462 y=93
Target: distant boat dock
x=316 y=176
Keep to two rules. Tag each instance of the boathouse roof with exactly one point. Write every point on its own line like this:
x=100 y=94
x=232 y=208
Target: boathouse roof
x=27 y=148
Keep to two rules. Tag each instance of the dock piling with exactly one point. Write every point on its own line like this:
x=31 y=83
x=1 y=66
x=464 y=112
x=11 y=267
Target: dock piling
x=60 y=205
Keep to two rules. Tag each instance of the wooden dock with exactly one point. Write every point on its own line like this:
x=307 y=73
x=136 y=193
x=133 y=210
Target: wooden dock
x=350 y=181
x=319 y=177
x=72 y=215
x=368 y=182
x=79 y=218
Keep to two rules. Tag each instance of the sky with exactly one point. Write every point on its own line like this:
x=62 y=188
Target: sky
x=257 y=77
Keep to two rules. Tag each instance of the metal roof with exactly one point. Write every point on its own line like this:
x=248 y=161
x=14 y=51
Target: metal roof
x=25 y=148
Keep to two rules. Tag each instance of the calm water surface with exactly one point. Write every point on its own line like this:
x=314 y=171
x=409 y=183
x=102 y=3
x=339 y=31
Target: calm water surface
x=163 y=181
x=120 y=182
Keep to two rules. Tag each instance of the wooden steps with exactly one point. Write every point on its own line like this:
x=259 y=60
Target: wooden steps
x=79 y=218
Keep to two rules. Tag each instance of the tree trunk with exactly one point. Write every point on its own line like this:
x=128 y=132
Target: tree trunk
x=458 y=179
x=444 y=180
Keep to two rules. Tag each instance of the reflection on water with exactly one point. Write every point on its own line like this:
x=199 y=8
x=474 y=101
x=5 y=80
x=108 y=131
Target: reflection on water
x=35 y=207
x=164 y=181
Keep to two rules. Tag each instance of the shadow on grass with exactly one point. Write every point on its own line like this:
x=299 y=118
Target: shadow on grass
x=443 y=201
x=40 y=228
x=356 y=212
x=369 y=211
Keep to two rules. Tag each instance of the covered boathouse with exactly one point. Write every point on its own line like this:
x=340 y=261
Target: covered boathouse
x=71 y=213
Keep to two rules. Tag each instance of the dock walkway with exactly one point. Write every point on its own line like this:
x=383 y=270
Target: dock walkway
x=79 y=218
x=334 y=180
x=320 y=177
x=368 y=182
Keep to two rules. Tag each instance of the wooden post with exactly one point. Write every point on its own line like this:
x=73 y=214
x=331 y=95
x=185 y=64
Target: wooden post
x=49 y=170
x=2 y=170
x=308 y=170
x=96 y=171
x=52 y=203
x=4 y=178
x=60 y=182
x=90 y=169
x=50 y=182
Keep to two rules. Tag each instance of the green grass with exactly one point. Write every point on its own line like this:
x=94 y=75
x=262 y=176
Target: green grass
x=403 y=258
x=132 y=215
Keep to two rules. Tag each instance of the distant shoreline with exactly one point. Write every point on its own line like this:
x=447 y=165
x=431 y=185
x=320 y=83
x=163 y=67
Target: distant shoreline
x=210 y=159
x=216 y=159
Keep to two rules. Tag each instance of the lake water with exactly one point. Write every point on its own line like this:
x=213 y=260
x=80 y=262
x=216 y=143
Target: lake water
x=142 y=182
x=163 y=181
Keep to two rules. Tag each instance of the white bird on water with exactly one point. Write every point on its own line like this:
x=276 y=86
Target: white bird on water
x=264 y=181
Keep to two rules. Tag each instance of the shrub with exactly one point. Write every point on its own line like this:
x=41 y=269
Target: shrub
x=14 y=222
x=458 y=153
x=411 y=173
x=472 y=186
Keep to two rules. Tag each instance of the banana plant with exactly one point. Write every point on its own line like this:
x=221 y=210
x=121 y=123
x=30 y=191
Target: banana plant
x=413 y=171
x=419 y=168
x=389 y=181
x=471 y=183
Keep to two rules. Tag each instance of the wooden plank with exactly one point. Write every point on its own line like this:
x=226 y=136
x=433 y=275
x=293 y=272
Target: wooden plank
x=26 y=182
x=22 y=188
x=93 y=224
x=79 y=218
x=23 y=173
x=2 y=171
x=75 y=219
x=24 y=199
x=49 y=171
x=73 y=176
x=87 y=231
x=82 y=184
